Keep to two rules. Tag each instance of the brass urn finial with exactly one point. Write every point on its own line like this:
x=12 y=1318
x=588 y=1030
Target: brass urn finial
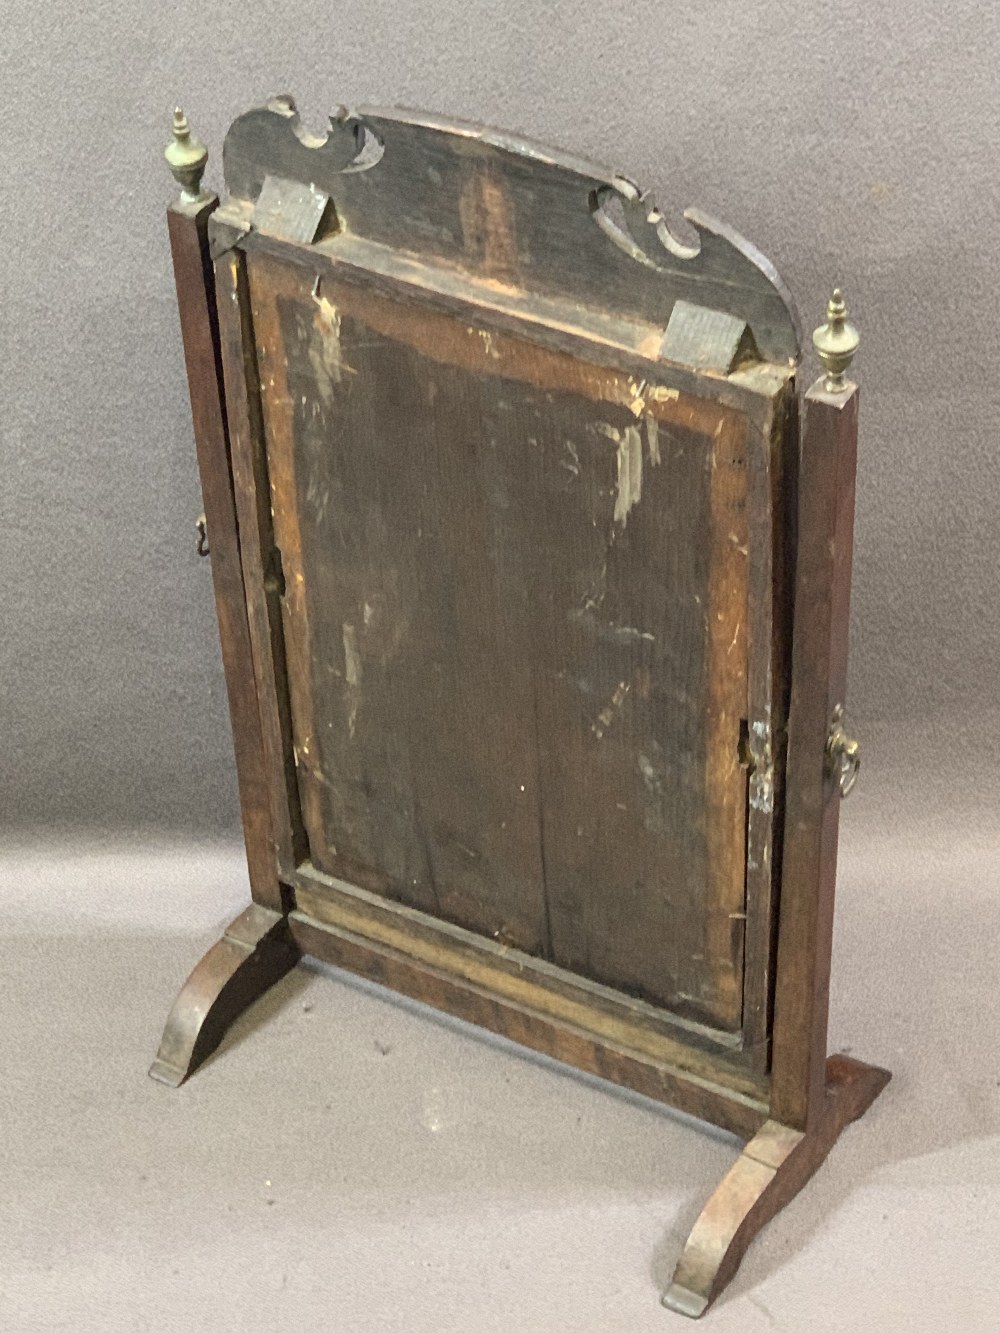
x=186 y=158
x=836 y=341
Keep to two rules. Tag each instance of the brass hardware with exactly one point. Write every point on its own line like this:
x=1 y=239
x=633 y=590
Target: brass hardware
x=186 y=158
x=202 y=529
x=836 y=341
x=843 y=754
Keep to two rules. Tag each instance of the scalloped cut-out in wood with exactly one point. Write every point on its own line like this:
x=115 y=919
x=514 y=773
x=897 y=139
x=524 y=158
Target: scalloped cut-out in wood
x=532 y=569
x=404 y=180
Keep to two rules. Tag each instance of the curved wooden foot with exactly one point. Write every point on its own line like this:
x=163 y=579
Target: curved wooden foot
x=255 y=952
x=775 y=1164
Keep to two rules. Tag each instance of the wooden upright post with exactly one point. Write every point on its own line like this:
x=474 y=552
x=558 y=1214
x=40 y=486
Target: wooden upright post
x=256 y=950
x=187 y=222
x=812 y=1098
x=827 y=468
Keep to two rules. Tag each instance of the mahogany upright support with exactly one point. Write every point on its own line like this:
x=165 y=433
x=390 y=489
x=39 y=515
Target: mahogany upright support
x=187 y=223
x=255 y=950
x=824 y=550
x=813 y=1097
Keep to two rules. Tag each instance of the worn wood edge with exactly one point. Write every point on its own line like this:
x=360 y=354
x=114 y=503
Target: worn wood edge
x=587 y=332
x=255 y=951
x=773 y=1167
x=253 y=508
x=188 y=225
x=684 y=1091
x=452 y=333
x=292 y=625
x=768 y=694
x=729 y=701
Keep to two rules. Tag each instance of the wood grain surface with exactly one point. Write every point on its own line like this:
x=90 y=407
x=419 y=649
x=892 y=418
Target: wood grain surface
x=516 y=615
x=196 y=303
x=819 y=683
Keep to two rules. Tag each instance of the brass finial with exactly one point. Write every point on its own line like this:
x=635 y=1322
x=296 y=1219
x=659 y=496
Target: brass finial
x=186 y=158
x=836 y=341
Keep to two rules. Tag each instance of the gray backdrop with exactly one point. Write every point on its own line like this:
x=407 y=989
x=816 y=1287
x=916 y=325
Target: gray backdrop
x=450 y=1186
x=853 y=143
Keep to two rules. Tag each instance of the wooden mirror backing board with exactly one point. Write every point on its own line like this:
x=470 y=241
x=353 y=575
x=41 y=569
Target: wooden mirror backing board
x=532 y=574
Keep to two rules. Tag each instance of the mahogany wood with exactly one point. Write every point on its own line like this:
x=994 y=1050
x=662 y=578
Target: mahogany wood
x=771 y=1170
x=812 y=813
x=537 y=1028
x=188 y=229
x=533 y=635
x=264 y=579
x=254 y=953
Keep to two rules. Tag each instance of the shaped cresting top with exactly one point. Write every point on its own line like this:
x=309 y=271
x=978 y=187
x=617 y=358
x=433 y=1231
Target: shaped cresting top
x=186 y=157
x=836 y=342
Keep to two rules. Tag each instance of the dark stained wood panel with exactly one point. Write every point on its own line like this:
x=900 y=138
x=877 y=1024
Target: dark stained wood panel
x=463 y=196
x=516 y=587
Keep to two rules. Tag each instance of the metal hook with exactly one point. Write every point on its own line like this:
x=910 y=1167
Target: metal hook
x=202 y=529
x=843 y=754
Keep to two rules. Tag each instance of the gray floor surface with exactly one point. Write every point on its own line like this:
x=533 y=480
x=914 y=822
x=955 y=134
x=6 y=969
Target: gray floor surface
x=350 y=1161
